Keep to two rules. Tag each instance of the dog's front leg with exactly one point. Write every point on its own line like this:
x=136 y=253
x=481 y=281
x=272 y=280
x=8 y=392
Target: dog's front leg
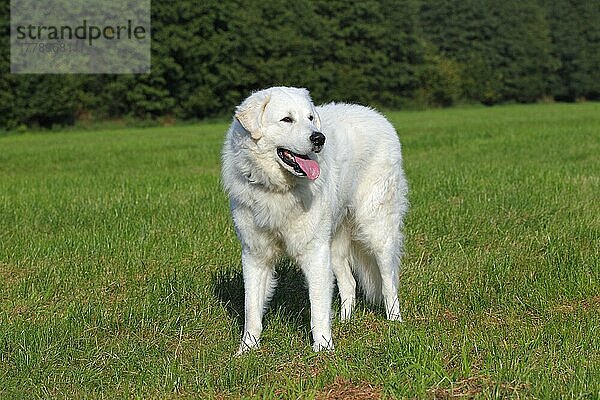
x=319 y=276
x=258 y=284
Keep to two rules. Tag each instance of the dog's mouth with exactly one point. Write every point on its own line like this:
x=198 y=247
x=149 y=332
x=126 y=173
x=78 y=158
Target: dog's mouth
x=298 y=164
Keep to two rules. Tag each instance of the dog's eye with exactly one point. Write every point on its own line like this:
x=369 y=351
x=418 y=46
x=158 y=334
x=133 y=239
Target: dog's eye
x=287 y=119
x=310 y=117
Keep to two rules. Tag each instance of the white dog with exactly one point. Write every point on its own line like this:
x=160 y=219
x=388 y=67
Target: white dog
x=324 y=185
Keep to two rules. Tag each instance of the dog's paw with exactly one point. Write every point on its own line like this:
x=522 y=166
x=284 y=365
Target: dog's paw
x=245 y=348
x=395 y=317
x=249 y=342
x=323 y=344
x=392 y=310
x=346 y=311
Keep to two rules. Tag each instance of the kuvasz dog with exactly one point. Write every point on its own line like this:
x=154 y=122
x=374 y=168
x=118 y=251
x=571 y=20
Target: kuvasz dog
x=323 y=185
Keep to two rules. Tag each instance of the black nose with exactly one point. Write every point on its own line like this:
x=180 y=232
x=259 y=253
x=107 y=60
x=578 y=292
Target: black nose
x=318 y=139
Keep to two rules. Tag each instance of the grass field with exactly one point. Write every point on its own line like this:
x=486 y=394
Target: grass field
x=120 y=272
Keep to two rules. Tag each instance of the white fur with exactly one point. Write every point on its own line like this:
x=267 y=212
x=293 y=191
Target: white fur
x=347 y=220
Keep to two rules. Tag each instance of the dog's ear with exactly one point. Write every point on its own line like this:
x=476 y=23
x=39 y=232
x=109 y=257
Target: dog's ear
x=250 y=113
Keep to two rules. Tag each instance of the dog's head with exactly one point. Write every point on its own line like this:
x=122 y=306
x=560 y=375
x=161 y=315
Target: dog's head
x=283 y=121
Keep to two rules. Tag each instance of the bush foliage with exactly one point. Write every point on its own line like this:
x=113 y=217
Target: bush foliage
x=207 y=56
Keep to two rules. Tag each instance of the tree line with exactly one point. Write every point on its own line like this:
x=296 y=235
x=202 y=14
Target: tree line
x=207 y=56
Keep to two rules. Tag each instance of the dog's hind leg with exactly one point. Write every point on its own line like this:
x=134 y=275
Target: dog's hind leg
x=379 y=263
x=340 y=262
x=388 y=260
x=379 y=218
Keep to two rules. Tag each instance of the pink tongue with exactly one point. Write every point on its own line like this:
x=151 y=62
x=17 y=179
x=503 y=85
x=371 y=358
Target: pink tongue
x=310 y=168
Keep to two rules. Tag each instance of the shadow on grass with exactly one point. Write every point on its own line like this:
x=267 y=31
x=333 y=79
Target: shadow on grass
x=289 y=303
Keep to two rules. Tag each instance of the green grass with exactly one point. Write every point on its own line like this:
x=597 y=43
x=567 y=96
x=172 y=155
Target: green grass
x=120 y=270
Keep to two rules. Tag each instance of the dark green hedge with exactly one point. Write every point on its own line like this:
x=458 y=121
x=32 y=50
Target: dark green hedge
x=206 y=56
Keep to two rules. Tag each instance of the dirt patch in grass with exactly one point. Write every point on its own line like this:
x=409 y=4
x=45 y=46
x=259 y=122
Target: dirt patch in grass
x=11 y=274
x=343 y=388
x=589 y=304
x=473 y=386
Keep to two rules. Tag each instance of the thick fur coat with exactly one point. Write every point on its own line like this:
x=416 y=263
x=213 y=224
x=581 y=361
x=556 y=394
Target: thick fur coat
x=325 y=186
